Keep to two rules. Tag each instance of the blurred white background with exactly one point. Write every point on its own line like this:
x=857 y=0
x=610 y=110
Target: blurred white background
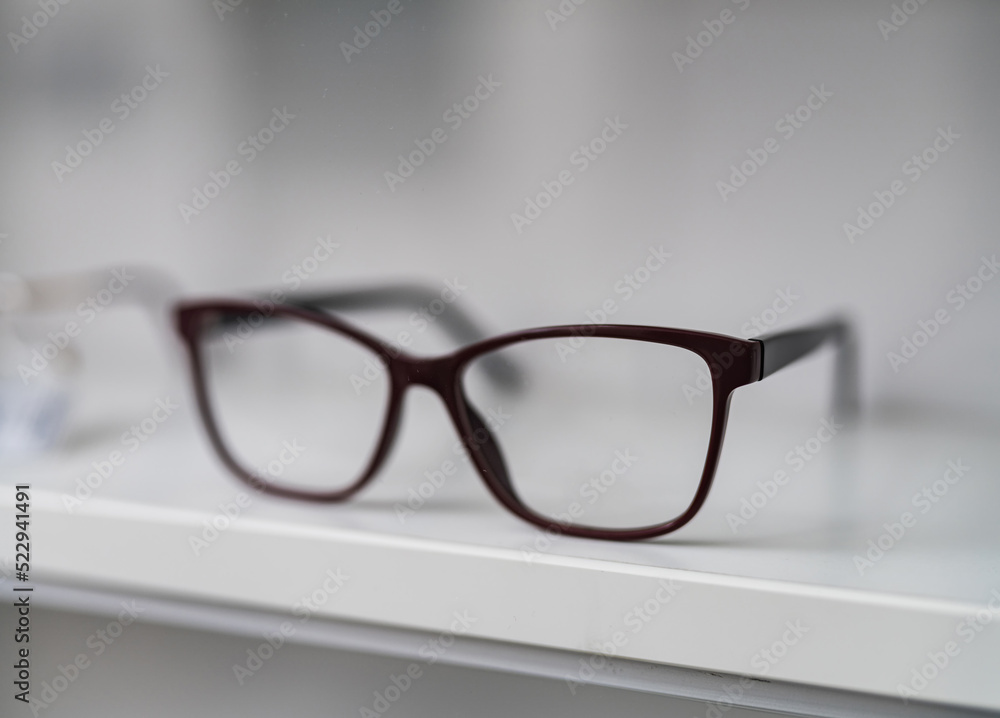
x=881 y=90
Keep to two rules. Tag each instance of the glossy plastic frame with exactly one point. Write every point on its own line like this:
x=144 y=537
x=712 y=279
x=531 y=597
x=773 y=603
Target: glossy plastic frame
x=733 y=363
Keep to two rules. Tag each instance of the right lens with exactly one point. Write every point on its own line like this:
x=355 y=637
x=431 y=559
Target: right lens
x=601 y=433
x=298 y=404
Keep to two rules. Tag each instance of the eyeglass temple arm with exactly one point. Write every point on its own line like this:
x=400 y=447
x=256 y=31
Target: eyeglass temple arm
x=414 y=297
x=780 y=349
x=26 y=298
x=148 y=287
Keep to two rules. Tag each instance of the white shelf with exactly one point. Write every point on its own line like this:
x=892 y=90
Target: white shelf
x=733 y=595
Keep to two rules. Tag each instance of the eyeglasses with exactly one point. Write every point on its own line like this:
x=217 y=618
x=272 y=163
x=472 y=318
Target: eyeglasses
x=590 y=430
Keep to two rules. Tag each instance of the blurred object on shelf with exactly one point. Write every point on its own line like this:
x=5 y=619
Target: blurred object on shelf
x=40 y=317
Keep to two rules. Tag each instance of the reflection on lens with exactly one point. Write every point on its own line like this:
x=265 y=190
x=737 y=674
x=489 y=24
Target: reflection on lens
x=600 y=432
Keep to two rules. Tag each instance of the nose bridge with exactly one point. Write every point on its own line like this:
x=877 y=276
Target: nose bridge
x=436 y=373
x=439 y=374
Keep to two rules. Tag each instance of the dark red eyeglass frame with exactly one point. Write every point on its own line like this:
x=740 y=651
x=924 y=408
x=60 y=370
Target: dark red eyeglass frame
x=732 y=362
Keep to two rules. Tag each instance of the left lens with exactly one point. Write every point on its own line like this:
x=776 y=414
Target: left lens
x=297 y=404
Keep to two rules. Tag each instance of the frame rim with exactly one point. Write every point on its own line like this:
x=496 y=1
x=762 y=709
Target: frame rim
x=744 y=369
